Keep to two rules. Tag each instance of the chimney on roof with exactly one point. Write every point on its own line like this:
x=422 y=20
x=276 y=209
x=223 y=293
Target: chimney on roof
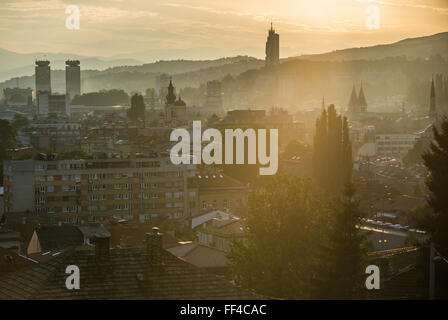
x=154 y=246
x=101 y=247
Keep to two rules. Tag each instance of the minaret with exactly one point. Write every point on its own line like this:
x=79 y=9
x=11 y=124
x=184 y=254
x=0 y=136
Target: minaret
x=432 y=102
x=323 y=102
x=362 y=103
x=353 y=103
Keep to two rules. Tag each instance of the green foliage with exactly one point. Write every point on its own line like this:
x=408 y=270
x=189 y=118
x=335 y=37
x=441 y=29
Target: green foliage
x=7 y=138
x=332 y=153
x=342 y=267
x=294 y=148
x=414 y=156
x=436 y=160
x=74 y=154
x=20 y=121
x=102 y=98
x=289 y=236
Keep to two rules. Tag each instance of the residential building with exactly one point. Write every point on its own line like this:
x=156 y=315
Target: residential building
x=394 y=144
x=134 y=187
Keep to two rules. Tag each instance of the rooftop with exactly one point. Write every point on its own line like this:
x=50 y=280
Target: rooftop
x=127 y=274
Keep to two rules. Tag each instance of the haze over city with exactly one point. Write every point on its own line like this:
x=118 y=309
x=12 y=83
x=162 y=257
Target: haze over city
x=223 y=150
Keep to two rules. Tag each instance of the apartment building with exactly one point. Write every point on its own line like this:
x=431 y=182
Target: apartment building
x=394 y=144
x=134 y=188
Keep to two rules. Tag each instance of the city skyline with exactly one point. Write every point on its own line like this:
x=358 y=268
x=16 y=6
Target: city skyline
x=190 y=30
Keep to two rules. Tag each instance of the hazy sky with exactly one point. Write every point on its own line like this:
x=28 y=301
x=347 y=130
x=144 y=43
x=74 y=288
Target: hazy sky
x=212 y=28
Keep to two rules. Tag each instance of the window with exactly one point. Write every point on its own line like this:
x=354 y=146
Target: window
x=50 y=188
x=50 y=178
x=168 y=195
x=178 y=195
x=64 y=178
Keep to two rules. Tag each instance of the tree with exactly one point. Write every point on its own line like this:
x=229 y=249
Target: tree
x=282 y=228
x=436 y=161
x=294 y=148
x=332 y=152
x=74 y=154
x=346 y=247
x=20 y=121
x=102 y=98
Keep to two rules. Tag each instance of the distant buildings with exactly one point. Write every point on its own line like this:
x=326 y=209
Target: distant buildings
x=272 y=48
x=162 y=83
x=49 y=104
x=175 y=110
x=214 y=95
x=72 y=78
x=394 y=144
x=52 y=104
x=18 y=96
x=357 y=103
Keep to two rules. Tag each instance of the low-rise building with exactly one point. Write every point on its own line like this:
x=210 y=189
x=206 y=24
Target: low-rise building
x=221 y=192
x=221 y=232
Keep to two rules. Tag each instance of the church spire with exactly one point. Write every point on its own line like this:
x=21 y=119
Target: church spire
x=353 y=103
x=323 y=102
x=362 y=103
x=170 y=97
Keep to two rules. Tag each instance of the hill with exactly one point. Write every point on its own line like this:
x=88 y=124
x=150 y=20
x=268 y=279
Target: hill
x=411 y=48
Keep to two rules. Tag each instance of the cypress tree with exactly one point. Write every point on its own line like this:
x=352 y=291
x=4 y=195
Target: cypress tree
x=436 y=160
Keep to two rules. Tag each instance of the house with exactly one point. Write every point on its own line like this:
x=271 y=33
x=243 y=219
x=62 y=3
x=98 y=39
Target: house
x=221 y=232
x=91 y=230
x=140 y=273
x=201 y=256
x=48 y=238
x=10 y=239
x=11 y=261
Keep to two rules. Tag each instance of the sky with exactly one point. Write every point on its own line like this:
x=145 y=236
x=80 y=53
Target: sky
x=198 y=29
